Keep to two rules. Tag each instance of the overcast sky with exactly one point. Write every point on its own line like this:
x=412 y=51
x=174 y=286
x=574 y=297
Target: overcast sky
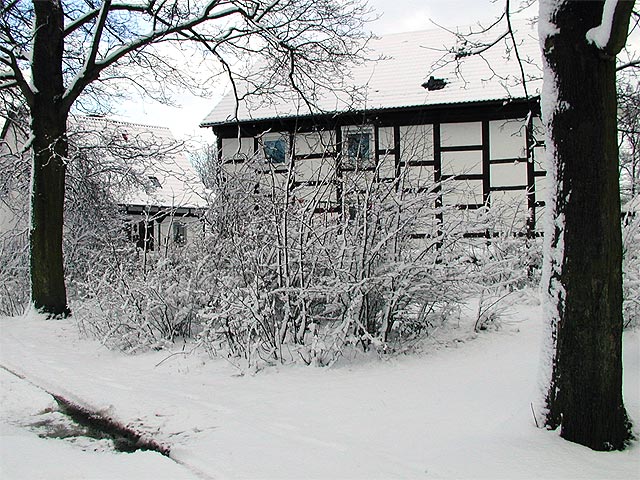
x=395 y=16
x=408 y=15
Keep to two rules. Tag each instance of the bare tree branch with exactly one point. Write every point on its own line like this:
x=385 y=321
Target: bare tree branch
x=93 y=69
x=631 y=64
x=15 y=75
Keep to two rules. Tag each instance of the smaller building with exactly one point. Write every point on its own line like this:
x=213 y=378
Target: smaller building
x=167 y=203
x=147 y=170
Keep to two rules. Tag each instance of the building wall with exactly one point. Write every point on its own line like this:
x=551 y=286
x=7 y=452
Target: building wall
x=159 y=230
x=13 y=207
x=7 y=219
x=168 y=234
x=480 y=163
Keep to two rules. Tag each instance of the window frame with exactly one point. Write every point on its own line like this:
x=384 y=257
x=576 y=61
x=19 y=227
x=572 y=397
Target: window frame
x=179 y=238
x=358 y=162
x=275 y=137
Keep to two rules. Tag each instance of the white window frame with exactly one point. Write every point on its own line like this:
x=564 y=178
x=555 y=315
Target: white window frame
x=350 y=163
x=274 y=137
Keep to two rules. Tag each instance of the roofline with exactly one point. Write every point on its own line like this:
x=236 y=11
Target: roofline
x=472 y=103
x=113 y=121
x=181 y=211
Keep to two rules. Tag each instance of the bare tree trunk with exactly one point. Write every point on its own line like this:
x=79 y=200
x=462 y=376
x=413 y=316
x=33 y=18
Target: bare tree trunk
x=584 y=265
x=49 y=125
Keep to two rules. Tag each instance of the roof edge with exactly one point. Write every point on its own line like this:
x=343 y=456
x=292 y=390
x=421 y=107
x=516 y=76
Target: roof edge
x=519 y=100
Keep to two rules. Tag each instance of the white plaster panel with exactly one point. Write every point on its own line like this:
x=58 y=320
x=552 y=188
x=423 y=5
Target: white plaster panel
x=463 y=220
x=321 y=221
x=508 y=174
x=540 y=215
x=516 y=198
x=387 y=166
x=416 y=143
x=426 y=223
x=420 y=244
x=508 y=211
x=539 y=159
x=314 y=169
x=314 y=142
x=460 y=134
x=417 y=176
x=542 y=192
x=235 y=169
x=320 y=194
x=305 y=193
x=460 y=163
x=363 y=180
x=385 y=138
x=538 y=129
x=327 y=194
x=232 y=149
x=462 y=192
x=425 y=220
x=273 y=181
x=507 y=139
x=8 y=219
x=357 y=181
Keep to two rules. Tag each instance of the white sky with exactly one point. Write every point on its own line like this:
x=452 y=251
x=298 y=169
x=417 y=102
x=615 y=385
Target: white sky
x=395 y=16
x=408 y=15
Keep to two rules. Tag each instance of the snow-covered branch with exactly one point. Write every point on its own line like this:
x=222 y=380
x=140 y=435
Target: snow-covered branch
x=14 y=77
x=611 y=35
x=93 y=67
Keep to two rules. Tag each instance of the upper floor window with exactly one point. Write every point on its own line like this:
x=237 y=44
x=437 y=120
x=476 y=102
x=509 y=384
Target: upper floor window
x=358 y=148
x=275 y=147
x=275 y=151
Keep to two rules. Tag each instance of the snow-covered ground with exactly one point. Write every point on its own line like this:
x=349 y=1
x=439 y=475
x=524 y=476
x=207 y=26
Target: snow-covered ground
x=461 y=409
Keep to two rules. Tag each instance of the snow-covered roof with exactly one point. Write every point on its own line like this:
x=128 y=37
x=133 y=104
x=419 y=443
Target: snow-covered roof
x=404 y=62
x=172 y=182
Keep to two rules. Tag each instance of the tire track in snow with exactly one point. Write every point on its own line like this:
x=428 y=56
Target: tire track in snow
x=84 y=415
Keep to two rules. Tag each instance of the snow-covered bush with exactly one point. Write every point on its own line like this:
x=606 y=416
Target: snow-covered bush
x=300 y=277
x=14 y=273
x=133 y=303
x=14 y=246
x=100 y=168
x=631 y=270
x=503 y=259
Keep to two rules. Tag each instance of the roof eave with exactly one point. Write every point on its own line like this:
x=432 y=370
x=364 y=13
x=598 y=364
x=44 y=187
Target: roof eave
x=466 y=104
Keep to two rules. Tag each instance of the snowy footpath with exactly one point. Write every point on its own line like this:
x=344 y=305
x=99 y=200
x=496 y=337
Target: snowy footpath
x=461 y=409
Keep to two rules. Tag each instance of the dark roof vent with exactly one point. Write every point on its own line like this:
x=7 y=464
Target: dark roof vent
x=434 y=84
x=153 y=180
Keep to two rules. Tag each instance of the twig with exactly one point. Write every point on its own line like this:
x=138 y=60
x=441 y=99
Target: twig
x=534 y=415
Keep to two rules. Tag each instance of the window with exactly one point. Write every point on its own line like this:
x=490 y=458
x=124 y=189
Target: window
x=141 y=234
x=358 y=149
x=275 y=150
x=179 y=233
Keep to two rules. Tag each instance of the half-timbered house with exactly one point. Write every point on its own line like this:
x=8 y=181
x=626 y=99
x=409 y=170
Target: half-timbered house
x=467 y=126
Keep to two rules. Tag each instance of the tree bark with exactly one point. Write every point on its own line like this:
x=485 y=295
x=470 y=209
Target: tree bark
x=584 y=280
x=50 y=149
